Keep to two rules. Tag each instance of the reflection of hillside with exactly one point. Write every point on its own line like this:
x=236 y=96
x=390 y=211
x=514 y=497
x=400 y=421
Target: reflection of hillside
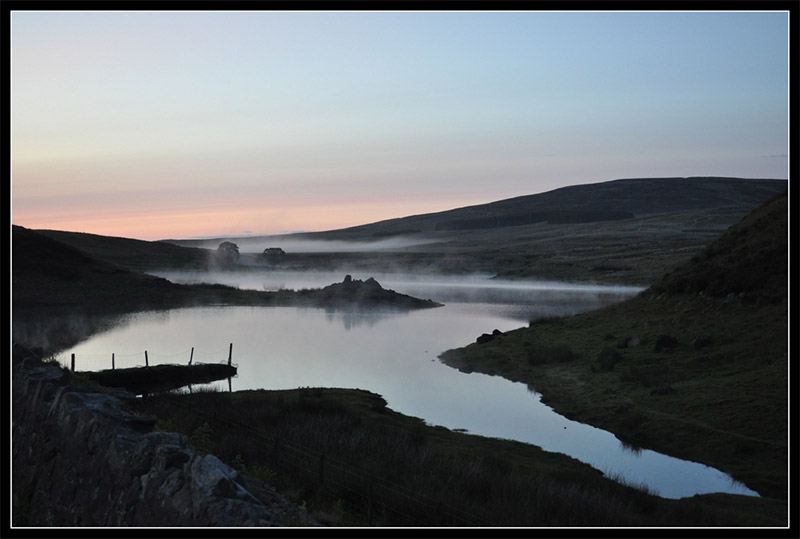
x=54 y=333
x=352 y=318
x=481 y=293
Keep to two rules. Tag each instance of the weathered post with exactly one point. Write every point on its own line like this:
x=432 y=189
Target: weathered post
x=146 y=363
x=191 y=355
x=369 y=503
x=73 y=362
x=112 y=361
x=230 y=354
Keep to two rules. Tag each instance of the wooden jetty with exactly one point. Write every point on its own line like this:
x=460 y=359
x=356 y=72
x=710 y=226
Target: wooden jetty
x=158 y=378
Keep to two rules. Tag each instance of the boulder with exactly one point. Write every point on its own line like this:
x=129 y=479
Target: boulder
x=484 y=338
x=665 y=342
x=607 y=358
x=664 y=389
x=701 y=341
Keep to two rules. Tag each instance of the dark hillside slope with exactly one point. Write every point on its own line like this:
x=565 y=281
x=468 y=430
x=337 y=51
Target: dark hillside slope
x=611 y=200
x=47 y=272
x=750 y=259
x=131 y=253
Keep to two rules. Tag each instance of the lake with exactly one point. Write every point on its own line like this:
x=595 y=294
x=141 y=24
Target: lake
x=395 y=354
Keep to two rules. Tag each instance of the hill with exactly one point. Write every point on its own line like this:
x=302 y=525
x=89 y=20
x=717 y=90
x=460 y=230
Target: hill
x=131 y=253
x=750 y=260
x=48 y=273
x=595 y=202
x=668 y=220
x=696 y=366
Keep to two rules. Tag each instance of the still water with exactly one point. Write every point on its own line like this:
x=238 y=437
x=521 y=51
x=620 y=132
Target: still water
x=395 y=354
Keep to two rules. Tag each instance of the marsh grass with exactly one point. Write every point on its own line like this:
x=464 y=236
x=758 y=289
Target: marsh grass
x=353 y=462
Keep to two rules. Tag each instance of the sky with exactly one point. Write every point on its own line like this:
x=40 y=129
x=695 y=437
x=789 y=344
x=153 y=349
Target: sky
x=185 y=124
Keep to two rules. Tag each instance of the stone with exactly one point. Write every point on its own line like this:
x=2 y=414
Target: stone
x=665 y=389
x=92 y=465
x=607 y=358
x=665 y=342
x=701 y=342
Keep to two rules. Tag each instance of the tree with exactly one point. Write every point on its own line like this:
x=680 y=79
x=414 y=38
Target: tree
x=228 y=252
x=273 y=254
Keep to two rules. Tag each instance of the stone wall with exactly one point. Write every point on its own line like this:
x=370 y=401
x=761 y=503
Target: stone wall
x=84 y=458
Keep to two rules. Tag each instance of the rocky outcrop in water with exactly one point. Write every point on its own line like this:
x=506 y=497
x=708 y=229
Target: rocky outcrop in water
x=85 y=458
x=357 y=293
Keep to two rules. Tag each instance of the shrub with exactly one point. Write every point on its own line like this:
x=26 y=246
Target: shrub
x=607 y=358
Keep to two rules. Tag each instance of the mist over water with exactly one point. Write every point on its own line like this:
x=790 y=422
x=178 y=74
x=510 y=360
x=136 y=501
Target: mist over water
x=290 y=244
x=395 y=354
x=518 y=300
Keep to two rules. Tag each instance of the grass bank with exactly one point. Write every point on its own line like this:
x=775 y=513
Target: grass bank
x=717 y=396
x=696 y=366
x=351 y=461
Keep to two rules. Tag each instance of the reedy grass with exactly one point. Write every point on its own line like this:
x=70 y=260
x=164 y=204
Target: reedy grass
x=353 y=462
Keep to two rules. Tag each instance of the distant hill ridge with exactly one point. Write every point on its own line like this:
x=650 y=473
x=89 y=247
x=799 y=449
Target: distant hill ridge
x=611 y=200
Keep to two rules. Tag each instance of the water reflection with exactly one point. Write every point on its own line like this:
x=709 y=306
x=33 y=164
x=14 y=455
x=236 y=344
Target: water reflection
x=395 y=355
x=351 y=318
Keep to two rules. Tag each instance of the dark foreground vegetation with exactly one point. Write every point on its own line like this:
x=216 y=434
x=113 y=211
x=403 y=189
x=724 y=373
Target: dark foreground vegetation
x=350 y=461
x=695 y=366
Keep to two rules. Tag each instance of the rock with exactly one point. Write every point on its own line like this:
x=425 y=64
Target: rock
x=665 y=342
x=82 y=459
x=628 y=342
x=701 y=342
x=662 y=390
x=484 y=338
x=607 y=358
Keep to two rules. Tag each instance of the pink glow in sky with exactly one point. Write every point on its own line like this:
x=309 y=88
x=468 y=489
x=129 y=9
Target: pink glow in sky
x=157 y=125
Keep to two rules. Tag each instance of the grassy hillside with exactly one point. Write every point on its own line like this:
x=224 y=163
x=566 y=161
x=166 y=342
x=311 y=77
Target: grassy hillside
x=695 y=366
x=133 y=254
x=750 y=260
x=595 y=202
x=48 y=273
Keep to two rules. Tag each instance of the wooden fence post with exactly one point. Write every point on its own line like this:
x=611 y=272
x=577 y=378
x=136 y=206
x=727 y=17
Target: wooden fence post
x=191 y=355
x=369 y=504
x=73 y=362
x=230 y=353
x=112 y=361
x=146 y=363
